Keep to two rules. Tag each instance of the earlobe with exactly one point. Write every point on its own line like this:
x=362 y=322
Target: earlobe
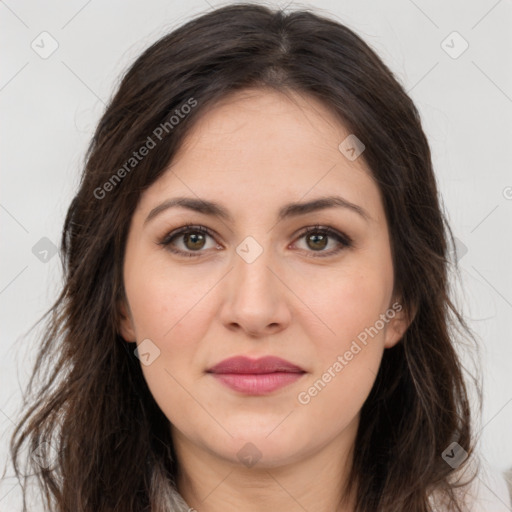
x=125 y=323
x=398 y=324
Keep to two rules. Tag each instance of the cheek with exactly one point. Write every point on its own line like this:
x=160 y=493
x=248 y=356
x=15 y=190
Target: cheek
x=349 y=356
x=348 y=302
x=163 y=300
x=167 y=310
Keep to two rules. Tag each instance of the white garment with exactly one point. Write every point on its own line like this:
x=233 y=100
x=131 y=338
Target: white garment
x=490 y=494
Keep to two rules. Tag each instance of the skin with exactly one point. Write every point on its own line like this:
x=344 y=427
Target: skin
x=255 y=151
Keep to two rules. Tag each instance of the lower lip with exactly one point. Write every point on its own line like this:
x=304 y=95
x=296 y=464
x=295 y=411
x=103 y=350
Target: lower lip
x=257 y=384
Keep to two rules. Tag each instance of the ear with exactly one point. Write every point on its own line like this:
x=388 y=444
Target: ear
x=399 y=321
x=126 y=326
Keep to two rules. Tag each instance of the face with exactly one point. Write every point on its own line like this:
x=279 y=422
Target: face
x=254 y=283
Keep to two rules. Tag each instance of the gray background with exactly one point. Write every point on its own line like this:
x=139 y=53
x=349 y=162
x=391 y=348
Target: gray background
x=50 y=107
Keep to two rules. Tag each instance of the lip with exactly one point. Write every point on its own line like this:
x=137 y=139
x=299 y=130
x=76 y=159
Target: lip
x=256 y=376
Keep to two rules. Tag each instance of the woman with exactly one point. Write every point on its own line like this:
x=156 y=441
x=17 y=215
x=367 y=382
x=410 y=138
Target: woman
x=256 y=312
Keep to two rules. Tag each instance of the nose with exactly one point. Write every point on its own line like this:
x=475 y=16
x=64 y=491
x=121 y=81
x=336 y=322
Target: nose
x=256 y=298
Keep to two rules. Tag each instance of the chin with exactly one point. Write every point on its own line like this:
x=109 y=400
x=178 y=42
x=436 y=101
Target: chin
x=260 y=453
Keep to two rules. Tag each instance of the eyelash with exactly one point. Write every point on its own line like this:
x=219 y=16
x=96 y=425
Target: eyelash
x=343 y=239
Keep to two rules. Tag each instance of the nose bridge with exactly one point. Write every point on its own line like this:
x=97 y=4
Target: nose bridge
x=252 y=262
x=256 y=300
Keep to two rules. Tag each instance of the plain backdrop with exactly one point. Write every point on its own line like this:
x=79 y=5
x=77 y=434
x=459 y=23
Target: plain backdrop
x=60 y=63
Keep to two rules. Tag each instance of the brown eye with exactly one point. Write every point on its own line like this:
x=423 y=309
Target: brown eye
x=194 y=240
x=188 y=241
x=317 y=238
x=317 y=241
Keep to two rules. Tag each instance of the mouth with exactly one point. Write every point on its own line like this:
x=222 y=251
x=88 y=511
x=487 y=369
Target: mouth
x=256 y=376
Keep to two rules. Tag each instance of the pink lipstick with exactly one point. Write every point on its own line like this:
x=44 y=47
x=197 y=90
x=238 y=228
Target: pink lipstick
x=256 y=376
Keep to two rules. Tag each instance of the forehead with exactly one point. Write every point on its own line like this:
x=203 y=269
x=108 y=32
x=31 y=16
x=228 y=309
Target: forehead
x=257 y=121
x=260 y=146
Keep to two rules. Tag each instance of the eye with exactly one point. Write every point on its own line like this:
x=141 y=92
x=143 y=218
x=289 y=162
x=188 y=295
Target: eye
x=317 y=238
x=193 y=240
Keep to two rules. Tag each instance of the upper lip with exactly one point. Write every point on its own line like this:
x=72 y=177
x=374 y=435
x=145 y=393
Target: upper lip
x=245 y=365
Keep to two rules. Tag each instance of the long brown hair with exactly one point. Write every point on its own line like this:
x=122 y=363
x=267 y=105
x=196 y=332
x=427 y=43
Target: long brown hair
x=87 y=398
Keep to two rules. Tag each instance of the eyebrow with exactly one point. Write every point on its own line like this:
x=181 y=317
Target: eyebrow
x=287 y=211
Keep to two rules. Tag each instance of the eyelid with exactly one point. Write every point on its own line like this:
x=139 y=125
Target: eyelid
x=344 y=240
